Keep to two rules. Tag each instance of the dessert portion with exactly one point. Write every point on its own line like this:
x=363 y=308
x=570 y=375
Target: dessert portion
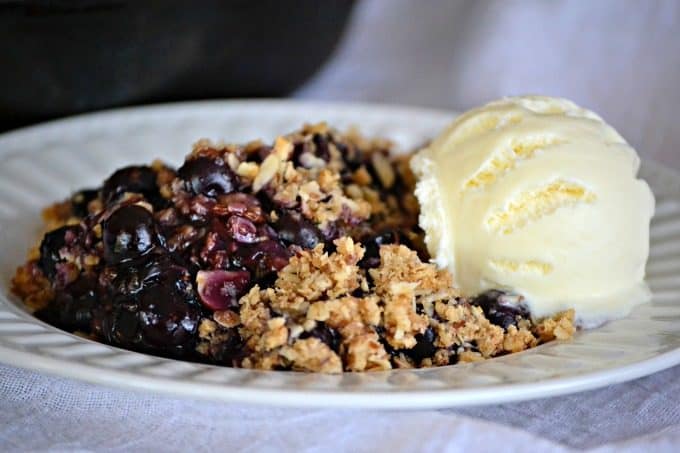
x=537 y=196
x=300 y=255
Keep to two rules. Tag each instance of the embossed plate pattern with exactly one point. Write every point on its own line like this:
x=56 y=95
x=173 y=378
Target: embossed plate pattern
x=44 y=163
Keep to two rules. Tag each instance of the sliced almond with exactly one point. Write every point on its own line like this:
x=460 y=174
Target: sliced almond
x=383 y=167
x=248 y=170
x=283 y=148
x=296 y=330
x=267 y=171
x=232 y=161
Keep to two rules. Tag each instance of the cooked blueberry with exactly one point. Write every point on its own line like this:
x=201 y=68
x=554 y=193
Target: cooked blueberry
x=124 y=327
x=500 y=308
x=126 y=280
x=380 y=331
x=331 y=232
x=162 y=316
x=424 y=347
x=167 y=316
x=264 y=231
x=220 y=289
x=76 y=304
x=259 y=154
x=128 y=234
x=211 y=177
x=80 y=201
x=242 y=229
x=229 y=350
x=293 y=228
x=267 y=281
x=54 y=243
x=325 y=334
x=130 y=278
x=322 y=151
x=372 y=246
x=261 y=258
x=163 y=267
x=359 y=293
x=263 y=152
x=137 y=179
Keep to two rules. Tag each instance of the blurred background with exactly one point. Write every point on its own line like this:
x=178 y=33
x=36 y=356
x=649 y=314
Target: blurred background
x=620 y=58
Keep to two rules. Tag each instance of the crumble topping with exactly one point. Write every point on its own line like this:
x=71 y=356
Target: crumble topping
x=311 y=354
x=314 y=298
x=560 y=327
x=32 y=286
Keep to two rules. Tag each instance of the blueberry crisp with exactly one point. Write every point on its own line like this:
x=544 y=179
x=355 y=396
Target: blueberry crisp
x=300 y=255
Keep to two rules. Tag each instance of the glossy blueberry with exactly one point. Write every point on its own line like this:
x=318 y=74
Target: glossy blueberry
x=72 y=309
x=293 y=228
x=53 y=243
x=325 y=334
x=424 y=347
x=262 y=258
x=167 y=316
x=161 y=315
x=500 y=308
x=128 y=233
x=210 y=177
x=220 y=290
x=372 y=246
x=131 y=277
x=136 y=179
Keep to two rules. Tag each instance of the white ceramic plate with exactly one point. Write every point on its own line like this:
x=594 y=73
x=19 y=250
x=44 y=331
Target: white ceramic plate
x=42 y=164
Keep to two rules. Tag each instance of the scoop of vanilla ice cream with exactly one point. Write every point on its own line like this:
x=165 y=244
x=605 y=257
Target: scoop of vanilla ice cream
x=540 y=197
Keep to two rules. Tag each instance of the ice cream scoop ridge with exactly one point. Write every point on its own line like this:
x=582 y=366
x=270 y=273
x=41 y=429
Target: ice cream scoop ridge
x=538 y=196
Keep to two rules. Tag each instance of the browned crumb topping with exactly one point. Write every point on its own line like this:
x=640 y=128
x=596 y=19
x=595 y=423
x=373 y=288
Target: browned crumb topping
x=32 y=286
x=560 y=327
x=323 y=315
x=57 y=215
x=294 y=175
x=311 y=354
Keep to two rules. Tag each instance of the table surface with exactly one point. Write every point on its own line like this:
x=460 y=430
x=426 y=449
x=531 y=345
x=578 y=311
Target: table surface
x=619 y=58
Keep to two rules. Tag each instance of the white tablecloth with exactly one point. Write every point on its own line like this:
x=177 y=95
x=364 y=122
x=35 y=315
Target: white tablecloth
x=620 y=58
x=39 y=412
